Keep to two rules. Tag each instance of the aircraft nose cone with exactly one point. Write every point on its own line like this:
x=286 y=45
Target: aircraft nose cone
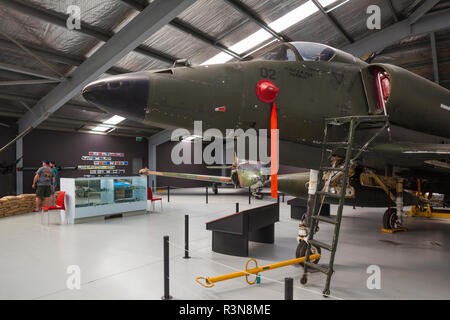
x=124 y=95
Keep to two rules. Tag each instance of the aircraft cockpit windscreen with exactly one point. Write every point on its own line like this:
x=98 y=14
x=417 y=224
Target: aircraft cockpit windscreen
x=310 y=51
x=249 y=167
x=280 y=53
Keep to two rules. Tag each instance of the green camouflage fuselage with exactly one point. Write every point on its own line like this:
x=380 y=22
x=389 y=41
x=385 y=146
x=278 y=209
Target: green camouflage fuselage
x=310 y=91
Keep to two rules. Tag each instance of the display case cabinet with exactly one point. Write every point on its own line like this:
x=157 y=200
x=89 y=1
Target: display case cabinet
x=96 y=198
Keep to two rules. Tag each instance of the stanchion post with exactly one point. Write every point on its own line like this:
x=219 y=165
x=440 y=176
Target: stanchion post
x=249 y=196
x=283 y=197
x=186 y=237
x=288 y=289
x=237 y=206
x=166 y=295
x=206 y=194
x=168 y=193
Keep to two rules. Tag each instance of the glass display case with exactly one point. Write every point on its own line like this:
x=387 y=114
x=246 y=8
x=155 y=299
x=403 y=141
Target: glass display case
x=102 y=191
x=102 y=196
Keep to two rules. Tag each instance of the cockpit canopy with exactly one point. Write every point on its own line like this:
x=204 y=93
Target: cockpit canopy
x=310 y=51
x=280 y=53
x=307 y=51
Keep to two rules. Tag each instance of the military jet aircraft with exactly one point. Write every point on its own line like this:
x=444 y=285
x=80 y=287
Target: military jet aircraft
x=244 y=174
x=309 y=82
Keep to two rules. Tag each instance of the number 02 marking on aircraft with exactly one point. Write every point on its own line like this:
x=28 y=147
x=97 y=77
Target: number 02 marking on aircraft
x=268 y=73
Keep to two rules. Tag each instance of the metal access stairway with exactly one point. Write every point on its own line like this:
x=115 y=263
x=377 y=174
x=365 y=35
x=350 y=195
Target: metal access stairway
x=353 y=122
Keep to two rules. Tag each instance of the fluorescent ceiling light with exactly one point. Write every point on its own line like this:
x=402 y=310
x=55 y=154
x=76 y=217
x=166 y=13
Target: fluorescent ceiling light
x=101 y=129
x=295 y=16
x=111 y=121
x=114 y=120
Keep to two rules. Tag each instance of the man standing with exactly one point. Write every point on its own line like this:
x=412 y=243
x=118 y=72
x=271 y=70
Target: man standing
x=55 y=172
x=43 y=182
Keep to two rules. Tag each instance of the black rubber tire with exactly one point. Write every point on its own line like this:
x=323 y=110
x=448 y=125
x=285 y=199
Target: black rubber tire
x=301 y=251
x=389 y=218
x=215 y=189
x=304 y=279
x=259 y=196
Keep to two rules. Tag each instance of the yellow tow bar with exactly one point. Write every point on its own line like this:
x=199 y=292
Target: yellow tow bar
x=209 y=282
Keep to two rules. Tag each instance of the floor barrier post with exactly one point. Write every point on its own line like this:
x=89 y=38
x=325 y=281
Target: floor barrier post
x=186 y=237
x=166 y=295
x=288 y=289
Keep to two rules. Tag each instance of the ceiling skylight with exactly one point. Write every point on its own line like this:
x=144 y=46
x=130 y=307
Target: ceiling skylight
x=300 y=13
x=291 y=18
x=337 y=5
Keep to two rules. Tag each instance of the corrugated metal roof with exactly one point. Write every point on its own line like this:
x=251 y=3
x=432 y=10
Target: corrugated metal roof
x=217 y=19
x=212 y=17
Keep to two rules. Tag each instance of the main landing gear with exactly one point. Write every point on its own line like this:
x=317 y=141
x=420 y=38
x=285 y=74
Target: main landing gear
x=393 y=217
x=390 y=219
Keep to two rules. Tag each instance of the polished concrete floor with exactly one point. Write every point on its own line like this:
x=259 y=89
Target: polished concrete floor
x=122 y=258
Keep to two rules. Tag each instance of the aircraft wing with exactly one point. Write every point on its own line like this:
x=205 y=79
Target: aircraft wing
x=189 y=176
x=435 y=156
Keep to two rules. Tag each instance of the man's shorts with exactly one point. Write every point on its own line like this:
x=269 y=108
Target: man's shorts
x=43 y=191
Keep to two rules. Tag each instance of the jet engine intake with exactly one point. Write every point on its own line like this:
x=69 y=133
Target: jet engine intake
x=389 y=88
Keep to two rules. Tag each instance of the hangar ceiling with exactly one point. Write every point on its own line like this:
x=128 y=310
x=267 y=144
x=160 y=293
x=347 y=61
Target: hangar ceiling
x=37 y=50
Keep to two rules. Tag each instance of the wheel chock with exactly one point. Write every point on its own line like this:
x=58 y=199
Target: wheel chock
x=393 y=230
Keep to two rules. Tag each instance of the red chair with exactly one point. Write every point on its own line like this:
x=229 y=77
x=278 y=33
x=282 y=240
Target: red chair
x=150 y=198
x=60 y=205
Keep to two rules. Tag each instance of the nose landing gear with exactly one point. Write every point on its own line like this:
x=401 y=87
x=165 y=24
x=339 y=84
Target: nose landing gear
x=301 y=251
